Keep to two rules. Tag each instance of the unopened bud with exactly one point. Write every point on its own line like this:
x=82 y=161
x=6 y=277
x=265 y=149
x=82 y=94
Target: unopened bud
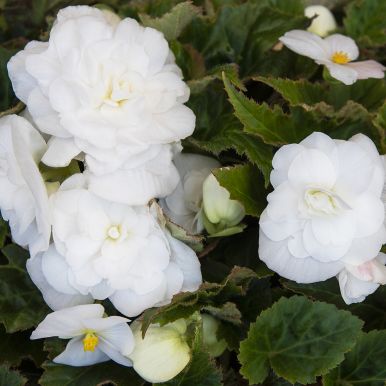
x=162 y=353
x=219 y=209
x=210 y=327
x=324 y=22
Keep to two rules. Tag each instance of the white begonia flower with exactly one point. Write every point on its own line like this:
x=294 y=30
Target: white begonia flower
x=183 y=206
x=210 y=327
x=357 y=282
x=336 y=52
x=218 y=207
x=105 y=88
x=323 y=22
x=162 y=353
x=325 y=211
x=93 y=338
x=23 y=195
x=110 y=250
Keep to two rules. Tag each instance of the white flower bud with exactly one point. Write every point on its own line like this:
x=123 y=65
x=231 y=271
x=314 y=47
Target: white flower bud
x=324 y=22
x=217 y=205
x=162 y=353
x=210 y=327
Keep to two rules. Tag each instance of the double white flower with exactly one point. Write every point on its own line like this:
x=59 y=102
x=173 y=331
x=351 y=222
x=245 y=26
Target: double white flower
x=111 y=250
x=336 y=52
x=108 y=89
x=326 y=210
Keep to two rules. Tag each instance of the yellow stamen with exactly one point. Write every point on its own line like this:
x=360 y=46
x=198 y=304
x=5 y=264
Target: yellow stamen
x=90 y=341
x=340 y=57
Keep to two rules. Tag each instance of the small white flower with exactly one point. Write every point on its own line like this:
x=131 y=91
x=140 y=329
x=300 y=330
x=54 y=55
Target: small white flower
x=336 y=52
x=107 y=88
x=324 y=21
x=93 y=338
x=218 y=207
x=162 y=353
x=111 y=250
x=356 y=282
x=183 y=206
x=23 y=195
x=210 y=327
x=326 y=209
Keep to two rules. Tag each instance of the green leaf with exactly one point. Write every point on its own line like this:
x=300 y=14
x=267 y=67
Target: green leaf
x=231 y=71
x=218 y=130
x=10 y=378
x=365 y=22
x=201 y=370
x=228 y=312
x=299 y=339
x=245 y=33
x=278 y=128
x=380 y=123
x=271 y=125
x=3 y=232
x=246 y=185
x=186 y=303
x=370 y=92
x=15 y=347
x=372 y=311
x=102 y=373
x=241 y=250
x=172 y=23
x=364 y=365
x=21 y=304
x=6 y=94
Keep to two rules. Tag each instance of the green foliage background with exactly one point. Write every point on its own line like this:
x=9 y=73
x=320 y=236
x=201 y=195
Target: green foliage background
x=250 y=96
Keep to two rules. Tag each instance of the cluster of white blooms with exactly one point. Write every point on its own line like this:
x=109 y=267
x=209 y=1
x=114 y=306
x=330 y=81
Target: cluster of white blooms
x=326 y=216
x=106 y=93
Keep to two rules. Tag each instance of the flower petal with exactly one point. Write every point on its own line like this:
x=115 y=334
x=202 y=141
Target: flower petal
x=345 y=74
x=307 y=270
x=305 y=43
x=114 y=354
x=54 y=299
x=60 y=152
x=312 y=168
x=75 y=355
x=68 y=322
x=341 y=43
x=368 y=69
x=131 y=304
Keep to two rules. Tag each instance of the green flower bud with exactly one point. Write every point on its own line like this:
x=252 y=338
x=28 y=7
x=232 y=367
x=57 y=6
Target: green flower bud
x=218 y=208
x=210 y=327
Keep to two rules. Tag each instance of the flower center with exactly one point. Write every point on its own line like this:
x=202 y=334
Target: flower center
x=321 y=202
x=90 y=341
x=114 y=232
x=118 y=92
x=340 y=57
